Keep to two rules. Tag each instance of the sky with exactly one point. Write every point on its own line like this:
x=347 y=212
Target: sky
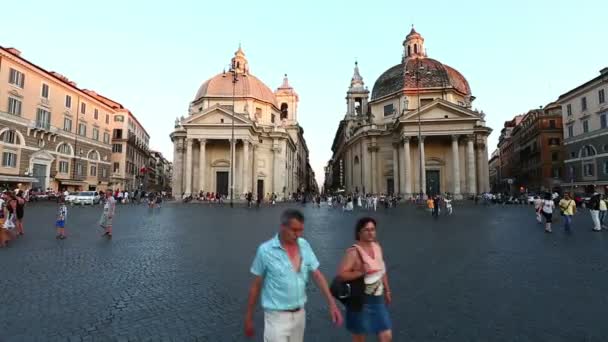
x=152 y=56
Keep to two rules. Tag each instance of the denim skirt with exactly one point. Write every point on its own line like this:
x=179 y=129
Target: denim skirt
x=371 y=320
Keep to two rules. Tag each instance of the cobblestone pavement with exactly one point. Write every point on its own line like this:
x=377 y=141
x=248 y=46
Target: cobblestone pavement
x=181 y=274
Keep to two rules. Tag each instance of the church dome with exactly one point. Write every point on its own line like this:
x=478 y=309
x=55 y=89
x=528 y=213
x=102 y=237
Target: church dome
x=247 y=85
x=431 y=73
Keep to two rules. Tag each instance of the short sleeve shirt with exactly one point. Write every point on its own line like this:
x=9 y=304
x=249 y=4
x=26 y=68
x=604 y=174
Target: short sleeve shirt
x=283 y=288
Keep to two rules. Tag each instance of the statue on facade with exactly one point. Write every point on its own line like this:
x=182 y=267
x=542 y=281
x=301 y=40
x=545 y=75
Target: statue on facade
x=176 y=122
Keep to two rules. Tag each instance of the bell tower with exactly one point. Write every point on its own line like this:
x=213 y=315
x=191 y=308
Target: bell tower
x=287 y=100
x=357 y=95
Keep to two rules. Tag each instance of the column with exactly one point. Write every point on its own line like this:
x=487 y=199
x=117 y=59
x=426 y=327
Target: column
x=373 y=167
x=455 y=166
x=245 y=166
x=189 y=166
x=471 y=181
x=422 y=162
x=231 y=174
x=486 y=167
x=365 y=186
x=178 y=159
x=202 y=164
x=407 y=166
x=275 y=168
x=254 y=167
x=396 y=167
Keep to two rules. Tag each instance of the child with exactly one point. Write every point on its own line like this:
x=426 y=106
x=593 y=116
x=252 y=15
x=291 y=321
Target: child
x=62 y=214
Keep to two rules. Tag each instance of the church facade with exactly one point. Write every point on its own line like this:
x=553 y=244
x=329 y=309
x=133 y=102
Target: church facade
x=268 y=152
x=416 y=134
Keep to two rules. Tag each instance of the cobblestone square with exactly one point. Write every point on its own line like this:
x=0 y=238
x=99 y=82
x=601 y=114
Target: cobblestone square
x=181 y=274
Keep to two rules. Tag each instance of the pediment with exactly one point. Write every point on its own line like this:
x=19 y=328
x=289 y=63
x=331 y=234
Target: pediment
x=42 y=155
x=216 y=116
x=441 y=110
x=220 y=163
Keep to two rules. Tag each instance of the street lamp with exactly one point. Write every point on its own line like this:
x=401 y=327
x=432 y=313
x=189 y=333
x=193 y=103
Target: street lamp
x=416 y=76
x=232 y=146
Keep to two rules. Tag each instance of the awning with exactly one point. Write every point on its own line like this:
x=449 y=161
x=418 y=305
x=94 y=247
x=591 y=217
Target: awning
x=71 y=182
x=18 y=179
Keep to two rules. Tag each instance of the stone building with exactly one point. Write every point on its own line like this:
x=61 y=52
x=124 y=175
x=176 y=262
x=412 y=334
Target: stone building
x=377 y=148
x=270 y=153
x=53 y=135
x=585 y=115
x=538 y=158
x=130 y=148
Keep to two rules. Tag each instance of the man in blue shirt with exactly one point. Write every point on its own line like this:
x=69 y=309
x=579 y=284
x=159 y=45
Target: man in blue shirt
x=281 y=268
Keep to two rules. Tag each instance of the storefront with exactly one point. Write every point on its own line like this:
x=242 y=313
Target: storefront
x=8 y=182
x=71 y=185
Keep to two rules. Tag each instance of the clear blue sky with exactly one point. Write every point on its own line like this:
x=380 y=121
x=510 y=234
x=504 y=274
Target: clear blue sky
x=152 y=56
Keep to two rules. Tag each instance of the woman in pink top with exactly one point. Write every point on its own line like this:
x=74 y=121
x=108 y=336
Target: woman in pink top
x=364 y=259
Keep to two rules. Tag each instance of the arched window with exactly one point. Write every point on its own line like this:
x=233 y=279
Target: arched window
x=10 y=137
x=415 y=48
x=284 y=110
x=409 y=50
x=64 y=149
x=93 y=155
x=587 y=151
x=356 y=160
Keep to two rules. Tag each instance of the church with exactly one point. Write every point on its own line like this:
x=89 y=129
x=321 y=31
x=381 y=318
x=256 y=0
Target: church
x=263 y=151
x=417 y=134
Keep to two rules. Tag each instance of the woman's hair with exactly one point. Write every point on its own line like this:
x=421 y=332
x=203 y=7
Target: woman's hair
x=361 y=224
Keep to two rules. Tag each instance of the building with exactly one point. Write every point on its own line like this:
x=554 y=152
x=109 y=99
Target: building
x=507 y=163
x=419 y=110
x=270 y=153
x=585 y=115
x=53 y=134
x=538 y=158
x=494 y=171
x=160 y=172
x=130 y=147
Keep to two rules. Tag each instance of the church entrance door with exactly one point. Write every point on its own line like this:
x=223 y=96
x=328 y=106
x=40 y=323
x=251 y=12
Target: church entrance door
x=260 y=189
x=432 y=182
x=390 y=186
x=221 y=182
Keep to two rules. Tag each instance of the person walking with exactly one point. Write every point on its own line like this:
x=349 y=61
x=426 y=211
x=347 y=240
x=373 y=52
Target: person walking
x=567 y=207
x=375 y=202
x=436 y=203
x=547 y=210
x=281 y=268
x=538 y=205
x=62 y=215
x=594 y=210
x=365 y=259
x=20 y=212
x=108 y=214
x=603 y=209
x=448 y=206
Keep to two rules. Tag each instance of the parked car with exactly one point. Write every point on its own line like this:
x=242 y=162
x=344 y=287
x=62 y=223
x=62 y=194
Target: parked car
x=86 y=197
x=70 y=197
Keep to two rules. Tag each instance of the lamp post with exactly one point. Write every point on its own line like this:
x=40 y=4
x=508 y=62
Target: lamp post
x=416 y=76
x=232 y=146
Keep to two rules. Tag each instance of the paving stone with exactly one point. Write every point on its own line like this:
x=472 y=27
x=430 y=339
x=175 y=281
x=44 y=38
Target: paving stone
x=181 y=273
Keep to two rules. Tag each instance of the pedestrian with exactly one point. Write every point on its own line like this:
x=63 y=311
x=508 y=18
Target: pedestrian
x=430 y=205
x=547 y=210
x=375 y=202
x=594 y=210
x=448 y=206
x=603 y=209
x=5 y=230
x=538 y=205
x=62 y=214
x=436 y=203
x=20 y=212
x=108 y=214
x=365 y=259
x=567 y=207
x=281 y=268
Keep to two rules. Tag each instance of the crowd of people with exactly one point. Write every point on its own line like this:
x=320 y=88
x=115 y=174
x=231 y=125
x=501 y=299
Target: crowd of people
x=544 y=208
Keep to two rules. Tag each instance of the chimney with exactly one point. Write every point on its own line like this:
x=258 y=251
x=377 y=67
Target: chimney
x=14 y=51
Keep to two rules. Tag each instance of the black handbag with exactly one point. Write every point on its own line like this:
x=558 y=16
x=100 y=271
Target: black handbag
x=349 y=293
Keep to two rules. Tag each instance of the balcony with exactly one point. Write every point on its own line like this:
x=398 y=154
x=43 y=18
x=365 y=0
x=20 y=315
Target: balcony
x=42 y=129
